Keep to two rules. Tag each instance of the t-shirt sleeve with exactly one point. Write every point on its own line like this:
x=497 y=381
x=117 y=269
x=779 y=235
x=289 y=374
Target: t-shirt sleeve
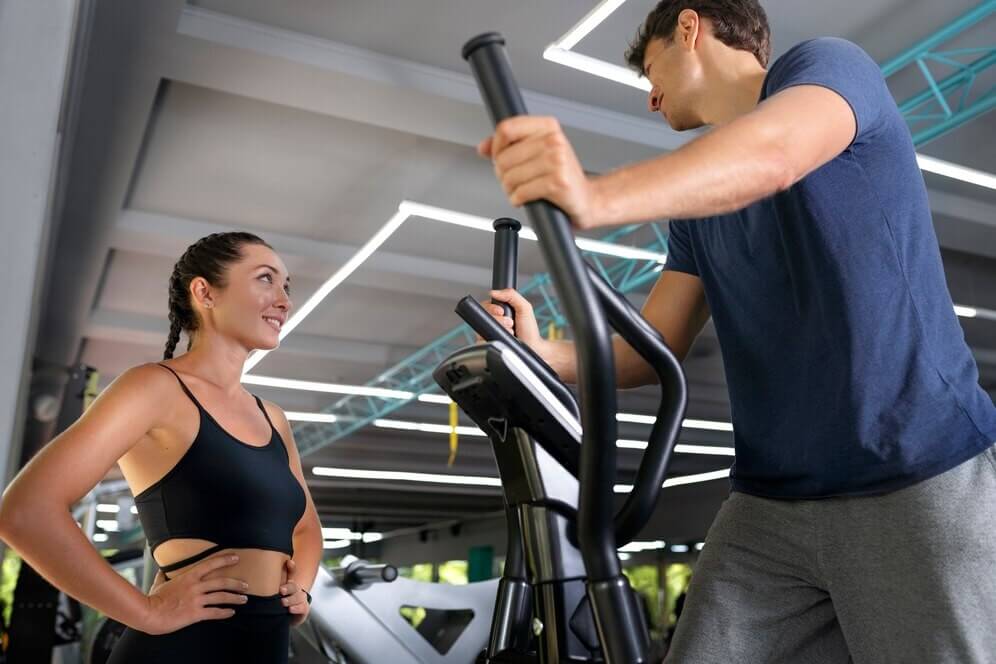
x=838 y=65
x=679 y=248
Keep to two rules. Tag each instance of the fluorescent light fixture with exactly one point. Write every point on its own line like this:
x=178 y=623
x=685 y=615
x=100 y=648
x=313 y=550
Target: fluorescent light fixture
x=335 y=544
x=109 y=509
x=427 y=428
x=955 y=171
x=699 y=546
x=600 y=12
x=486 y=224
x=332 y=282
x=327 y=418
x=596 y=67
x=435 y=398
x=679 y=548
x=109 y=525
x=133 y=509
x=638 y=546
x=333 y=388
x=399 y=476
x=347 y=534
x=974 y=312
x=680 y=448
x=708 y=425
x=965 y=312
x=684 y=479
x=624 y=556
x=100 y=537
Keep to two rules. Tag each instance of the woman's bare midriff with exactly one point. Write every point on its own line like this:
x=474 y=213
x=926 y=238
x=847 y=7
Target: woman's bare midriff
x=262 y=569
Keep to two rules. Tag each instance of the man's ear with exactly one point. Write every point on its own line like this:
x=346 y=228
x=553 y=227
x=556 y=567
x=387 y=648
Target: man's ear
x=687 y=29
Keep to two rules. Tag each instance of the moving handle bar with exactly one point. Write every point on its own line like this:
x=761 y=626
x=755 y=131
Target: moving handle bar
x=587 y=301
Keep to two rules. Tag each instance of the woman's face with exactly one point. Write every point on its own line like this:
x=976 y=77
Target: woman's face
x=255 y=304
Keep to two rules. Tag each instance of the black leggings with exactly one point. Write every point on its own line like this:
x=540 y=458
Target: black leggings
x=258 y=632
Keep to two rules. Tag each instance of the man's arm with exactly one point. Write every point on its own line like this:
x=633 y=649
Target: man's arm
x=676 y=307
x=765 y=151
x=761 y=153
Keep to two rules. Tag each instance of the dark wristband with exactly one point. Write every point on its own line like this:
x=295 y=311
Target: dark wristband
x=308 y=595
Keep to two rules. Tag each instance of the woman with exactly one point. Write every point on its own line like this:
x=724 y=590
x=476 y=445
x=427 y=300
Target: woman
x=215 y=472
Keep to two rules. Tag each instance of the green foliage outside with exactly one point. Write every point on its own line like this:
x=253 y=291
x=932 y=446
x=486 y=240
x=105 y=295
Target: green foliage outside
x=453 y=572
x=644 y=580
x=677 y=578
x=9 y=570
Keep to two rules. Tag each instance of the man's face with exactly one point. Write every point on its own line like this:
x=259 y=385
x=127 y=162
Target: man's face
x=675 y=72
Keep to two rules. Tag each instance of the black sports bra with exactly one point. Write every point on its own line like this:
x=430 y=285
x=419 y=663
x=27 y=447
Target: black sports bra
x=226 y=491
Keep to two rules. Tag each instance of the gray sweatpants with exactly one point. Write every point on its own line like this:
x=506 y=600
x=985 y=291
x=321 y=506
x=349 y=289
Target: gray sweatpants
x=908 y=576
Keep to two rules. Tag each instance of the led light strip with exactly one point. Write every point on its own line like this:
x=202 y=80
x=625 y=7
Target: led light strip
x=401 y=476
x=485 y=224
x=684 y=479
x=975 y=312
x=332 y=388
x=481 y=480
x=408 y=209
x=326 y=418
x=332 y=282
x=560 y=52
x=427 y=427
x=955 y=171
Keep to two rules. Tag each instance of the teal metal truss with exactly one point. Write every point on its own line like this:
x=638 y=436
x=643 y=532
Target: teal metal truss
x=944 y=105
x=413 y=375
x=947 y=103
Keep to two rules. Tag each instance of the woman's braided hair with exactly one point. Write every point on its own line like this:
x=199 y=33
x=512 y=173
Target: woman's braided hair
x=209 y=258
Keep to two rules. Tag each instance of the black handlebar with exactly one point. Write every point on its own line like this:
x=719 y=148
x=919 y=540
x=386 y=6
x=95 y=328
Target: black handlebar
x=360 y=573
x=596 y=367
x=506 y=258
x=584 y=294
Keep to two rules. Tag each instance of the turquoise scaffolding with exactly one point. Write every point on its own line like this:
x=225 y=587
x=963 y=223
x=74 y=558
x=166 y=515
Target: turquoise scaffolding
x=949 y=102
x=944 y=105
x=413 y=375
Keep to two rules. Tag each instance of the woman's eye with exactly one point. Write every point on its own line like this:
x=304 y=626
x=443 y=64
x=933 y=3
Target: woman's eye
x=267 y=276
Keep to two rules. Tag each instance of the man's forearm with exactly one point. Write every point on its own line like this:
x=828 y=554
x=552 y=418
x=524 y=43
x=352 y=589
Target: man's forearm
x=631 y=369
x=722 y=171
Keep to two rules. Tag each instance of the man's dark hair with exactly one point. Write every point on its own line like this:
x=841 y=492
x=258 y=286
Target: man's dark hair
x=740 y=24
x=210 y=258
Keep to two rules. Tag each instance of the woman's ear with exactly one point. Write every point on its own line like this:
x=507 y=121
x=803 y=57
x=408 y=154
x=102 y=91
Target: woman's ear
x=200 y=291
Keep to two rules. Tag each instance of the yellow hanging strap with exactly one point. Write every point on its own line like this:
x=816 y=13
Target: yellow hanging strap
x=553 y=332
x=454 y=420
x=90 y=392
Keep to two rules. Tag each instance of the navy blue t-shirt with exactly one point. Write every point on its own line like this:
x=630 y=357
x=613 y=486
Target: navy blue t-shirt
x=847 y=368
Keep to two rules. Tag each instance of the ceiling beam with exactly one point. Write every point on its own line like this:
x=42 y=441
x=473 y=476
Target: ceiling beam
x=168 y=236
x=143 y=329
x=300 y=71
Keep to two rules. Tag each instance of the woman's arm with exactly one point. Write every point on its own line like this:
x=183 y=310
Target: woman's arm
x=303 y=566
x=35 y=517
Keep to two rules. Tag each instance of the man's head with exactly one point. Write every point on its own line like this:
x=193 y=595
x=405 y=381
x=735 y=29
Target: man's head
x=685 y=47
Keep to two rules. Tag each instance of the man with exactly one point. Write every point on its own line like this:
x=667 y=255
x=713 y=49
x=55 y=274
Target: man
x=864 y=489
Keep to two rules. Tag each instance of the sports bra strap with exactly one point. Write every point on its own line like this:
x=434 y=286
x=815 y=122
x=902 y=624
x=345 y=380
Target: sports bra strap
x=192 y=559
x=184 y=386
x=265 y=414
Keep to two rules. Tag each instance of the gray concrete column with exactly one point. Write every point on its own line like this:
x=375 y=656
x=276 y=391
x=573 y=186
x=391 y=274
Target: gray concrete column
x=35 y=46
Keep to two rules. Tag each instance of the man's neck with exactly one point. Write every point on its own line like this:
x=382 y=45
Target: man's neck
x=736 y=91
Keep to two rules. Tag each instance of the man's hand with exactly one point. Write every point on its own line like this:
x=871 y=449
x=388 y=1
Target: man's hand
x=534 y=161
